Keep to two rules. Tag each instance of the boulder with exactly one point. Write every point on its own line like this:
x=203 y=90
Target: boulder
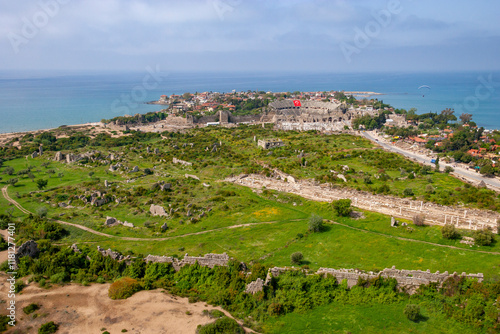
x=29 y=248
x=110 y=221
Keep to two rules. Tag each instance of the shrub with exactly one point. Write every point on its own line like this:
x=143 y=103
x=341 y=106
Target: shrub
x=412 y=312
x=123 y=288
x=315 y=223
x=449 y=232
x=59 y=278
x=296 y=258
x=41 y=212
x=222 y=325
x=448 y=169
x=31 y=308
x=408 y=192
x=342 y=207
x=19 y=285
x=48 y=328
x=483 y=237
x=419 y=220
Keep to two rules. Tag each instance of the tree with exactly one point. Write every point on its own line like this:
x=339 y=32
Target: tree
x=412 y=312
x=450 y=232
x=296 y=258
x=41 y=183
x=13 y=182
x=487 y=170
x=9 y=170
x=465 y=118
x=408 y=192
x=42 y=212
x=342 y=207
x=315 y=223
x=48 y=328
x=483 y=237
x=448 y=169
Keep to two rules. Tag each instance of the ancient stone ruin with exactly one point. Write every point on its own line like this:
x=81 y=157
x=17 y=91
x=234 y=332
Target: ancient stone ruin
x=114 y=255
x=270 y=143
x=408 y=280
x=182 y=162
x=255 y=286
x=110 y=222
x=157 y=210
x=208 y=260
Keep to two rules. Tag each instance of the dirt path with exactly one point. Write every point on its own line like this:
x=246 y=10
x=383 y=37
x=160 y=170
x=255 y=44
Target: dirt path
x=88 y=229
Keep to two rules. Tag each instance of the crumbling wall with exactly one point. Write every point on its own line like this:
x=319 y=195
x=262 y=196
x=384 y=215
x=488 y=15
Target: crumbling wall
x=408 y=280
x=208 y=260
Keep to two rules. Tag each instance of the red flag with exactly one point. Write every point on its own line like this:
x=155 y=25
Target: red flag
x=297 y=103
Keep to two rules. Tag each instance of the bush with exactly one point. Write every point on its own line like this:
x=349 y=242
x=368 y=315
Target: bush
x=220 y=326
x=342 y=207
x=59 y=278
x=41 y=212
x=412 y=312
x=48 y=328
x=296 y=258
x=450 y=232
x=315 y=223
x=419 y=220
x=123 y=288
x=483 y=237
x=19 y=285
x=448 y=170
x=408 y=192
x=31 y=308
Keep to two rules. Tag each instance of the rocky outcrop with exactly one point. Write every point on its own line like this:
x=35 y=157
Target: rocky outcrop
x=29 y=248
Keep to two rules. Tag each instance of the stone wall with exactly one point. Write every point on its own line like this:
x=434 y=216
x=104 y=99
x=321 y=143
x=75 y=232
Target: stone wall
x=408 y=280
x=208 y=260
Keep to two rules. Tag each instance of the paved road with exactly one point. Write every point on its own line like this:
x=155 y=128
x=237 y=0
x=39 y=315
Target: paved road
x=473 y=176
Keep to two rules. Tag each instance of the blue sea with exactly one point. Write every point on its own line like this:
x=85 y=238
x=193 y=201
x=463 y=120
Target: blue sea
x=40 y=100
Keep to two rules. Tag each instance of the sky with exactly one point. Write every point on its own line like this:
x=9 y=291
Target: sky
x=250 y=35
